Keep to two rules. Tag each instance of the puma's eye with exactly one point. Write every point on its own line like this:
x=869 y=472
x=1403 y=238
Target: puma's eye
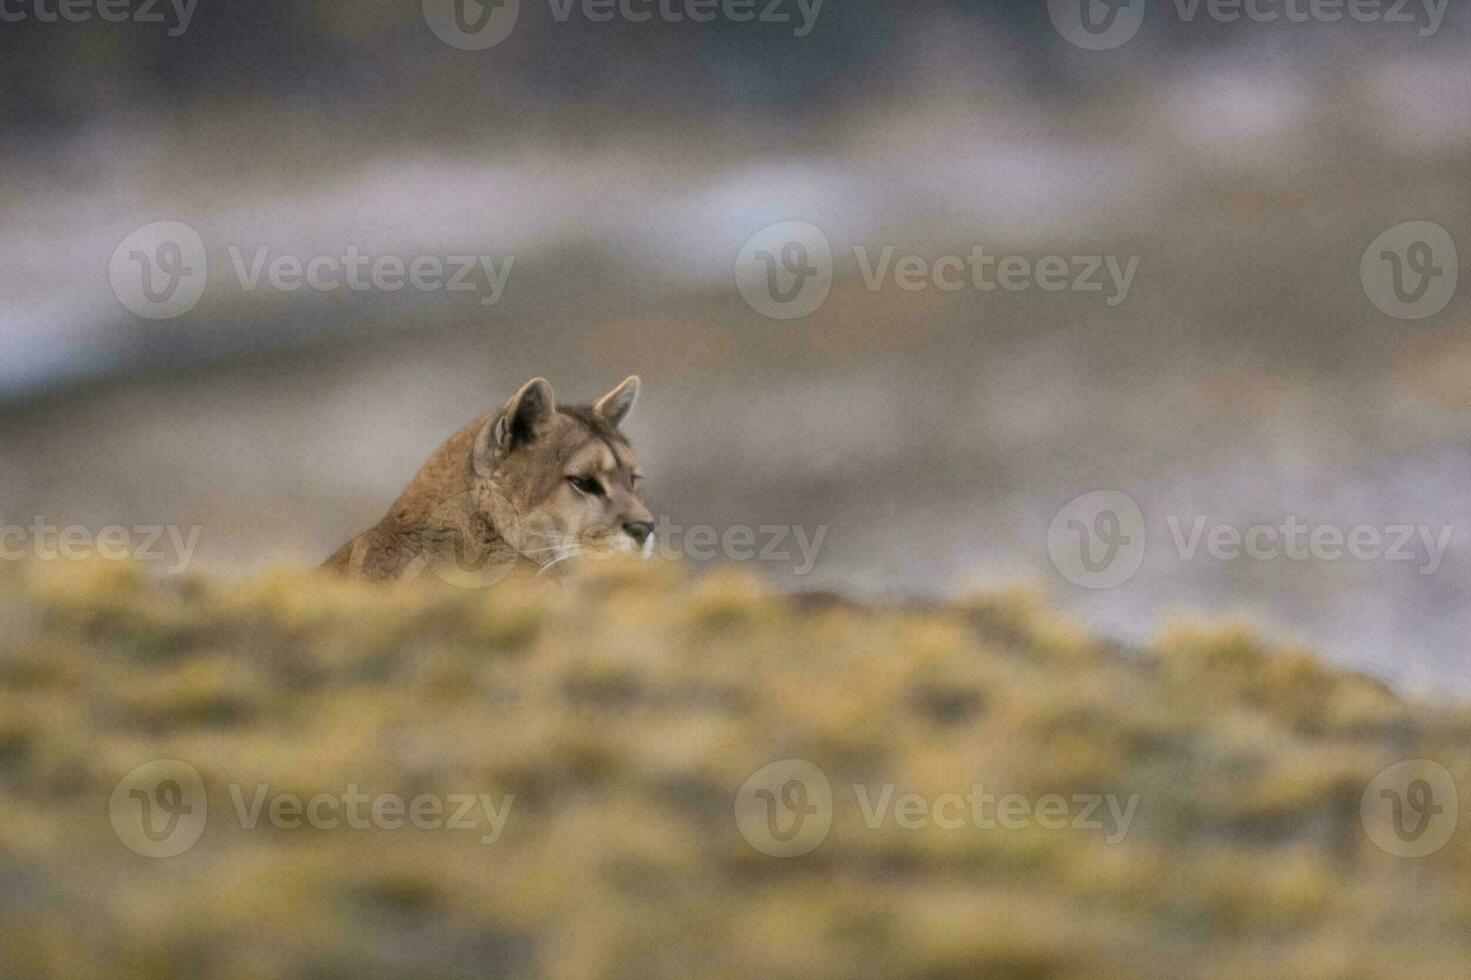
x=586 y=484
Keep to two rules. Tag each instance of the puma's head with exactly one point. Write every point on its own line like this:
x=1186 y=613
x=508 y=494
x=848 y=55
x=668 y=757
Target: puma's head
x=555 y=481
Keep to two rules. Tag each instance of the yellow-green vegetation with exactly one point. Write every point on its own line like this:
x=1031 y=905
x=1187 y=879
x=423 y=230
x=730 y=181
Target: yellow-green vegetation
x=621 y=712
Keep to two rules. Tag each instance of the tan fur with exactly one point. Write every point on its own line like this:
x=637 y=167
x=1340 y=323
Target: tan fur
x=499 y=493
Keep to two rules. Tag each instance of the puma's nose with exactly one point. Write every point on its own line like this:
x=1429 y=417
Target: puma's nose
x=639 y=531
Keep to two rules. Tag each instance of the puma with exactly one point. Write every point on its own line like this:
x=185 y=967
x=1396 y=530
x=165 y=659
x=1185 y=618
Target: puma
x=528 y=485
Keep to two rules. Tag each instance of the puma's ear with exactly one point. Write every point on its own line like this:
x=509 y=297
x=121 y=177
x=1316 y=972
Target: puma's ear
x=519 y=423
x=616 y=404
x=524 y=415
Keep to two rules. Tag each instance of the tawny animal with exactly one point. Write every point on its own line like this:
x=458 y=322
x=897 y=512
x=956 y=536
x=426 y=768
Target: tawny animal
x=530 y=484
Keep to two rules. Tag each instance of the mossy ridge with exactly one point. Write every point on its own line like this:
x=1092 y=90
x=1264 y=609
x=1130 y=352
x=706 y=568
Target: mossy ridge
x=623 y=711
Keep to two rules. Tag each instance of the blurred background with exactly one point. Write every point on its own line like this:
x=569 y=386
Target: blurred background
x=614 y=169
